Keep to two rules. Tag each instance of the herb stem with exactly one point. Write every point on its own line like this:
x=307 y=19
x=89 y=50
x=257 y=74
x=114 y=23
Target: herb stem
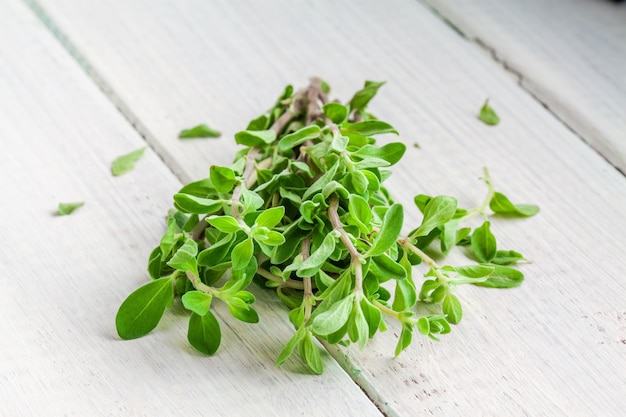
x=290 y=283
x=308 y=288
x=405 y=243
x=481 y=209
x=387 y=310
x=345 y=239
x=197 y=284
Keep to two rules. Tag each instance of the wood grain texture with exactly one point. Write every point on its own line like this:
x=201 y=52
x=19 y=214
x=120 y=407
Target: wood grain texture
x=63 y=278
x=554 y=346
x=571 y=55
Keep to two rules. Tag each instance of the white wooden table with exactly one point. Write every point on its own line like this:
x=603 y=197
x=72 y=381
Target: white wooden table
x=84 y=81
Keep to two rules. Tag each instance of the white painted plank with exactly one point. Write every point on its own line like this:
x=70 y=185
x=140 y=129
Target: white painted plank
x=63 y=278
x=570 y=54
x=552 y=347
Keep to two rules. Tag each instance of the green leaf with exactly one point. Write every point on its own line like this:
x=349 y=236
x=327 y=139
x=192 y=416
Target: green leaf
x=315 y=261
x=452 y=308
x=242 y=253
x=360 y=213
x=125 y=163
x=255 y=137
x=488 y=115
x=406 y=336
x=423 y=325
x=270 y=217
x=226 y=224
x=298 y=137
x=362 y=97
x=386 y=268
x=68 y=208
x=142 y=310
x=274 y=239
x=217 y=252
x=507 y=257
x=197 y=301
x=168 y=241
x=204 y=333
x=358 y=328
x=321 y=182
x=334 y=318
x=391 y=152
x=474 y=271
x=502 y=277
x=389 y=230
x=484 y=243
x=222 y=178
x=405 y=295
x=197 y=205
x=369 y=128
x=185 y=257
x=290 y=346
x=246 y=314
x=437 y=212
x=502 y=205
x=200 y=131
x=337 y=113
x=251 y=200
x=372 y=315
x=311 y=354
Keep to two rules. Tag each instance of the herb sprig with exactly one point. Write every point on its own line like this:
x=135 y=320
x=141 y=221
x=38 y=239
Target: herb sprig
x=302 y=211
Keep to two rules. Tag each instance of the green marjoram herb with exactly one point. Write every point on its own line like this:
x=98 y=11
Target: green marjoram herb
x=303 y=211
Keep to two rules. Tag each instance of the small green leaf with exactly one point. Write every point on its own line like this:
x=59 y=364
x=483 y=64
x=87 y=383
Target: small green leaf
x=362 y=97
x=437 y=212
x=270 y=217
x=242 y=253
x=290 y=346
x=474 y=271
x=452 y=308
x=222 y=178
x=423 y=325
x=372 y=315
x=488 y=115
x=484 y=243
x=169 y=239
x=246 y=314
x=502 y=277
x=68 y=208
x=125 y=163
x=369 y=128
x=226 y=224
x=251 y=200
x=334 y=318
x=204 y=333
x=200 y=131
x=502 y=205
x=391 y=152
x=255 y=137
x=405 y=295
x=507 y=257
x=274 y=239
x=406 y=336
x=386 y=268
x=311 y=354
x=197 y=205
x=315 y=261
x=389 y=230
x=142 y=310
x=360 y=213
x=197 y=301
x=358 y=328
x=185 y=257
x=298 y=137
x=337 y=113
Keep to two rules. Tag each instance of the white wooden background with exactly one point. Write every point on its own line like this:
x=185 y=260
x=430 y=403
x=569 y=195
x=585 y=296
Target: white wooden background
x=570 y=54
x=555 y=346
